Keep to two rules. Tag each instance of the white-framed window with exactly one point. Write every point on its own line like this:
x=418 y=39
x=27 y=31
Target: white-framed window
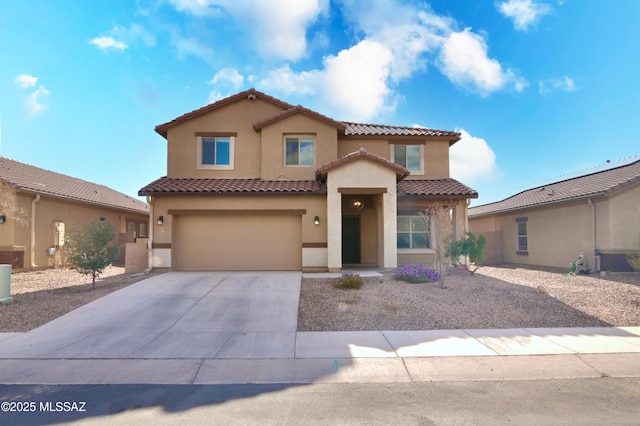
x=410 y=157
x=523 y=237
x=414 y=232
x=299 y=151
x=215 y=152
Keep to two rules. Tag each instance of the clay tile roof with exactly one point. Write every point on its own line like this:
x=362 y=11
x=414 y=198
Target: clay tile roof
x=362 y=154
x=295 y=110
x=41 y=181
x=166 y=185
x=247 y=94
x=594 y=184
x=357 y=129
x=435 y=188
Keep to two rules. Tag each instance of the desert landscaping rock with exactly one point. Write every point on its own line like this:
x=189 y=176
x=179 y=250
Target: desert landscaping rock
x=492 y=298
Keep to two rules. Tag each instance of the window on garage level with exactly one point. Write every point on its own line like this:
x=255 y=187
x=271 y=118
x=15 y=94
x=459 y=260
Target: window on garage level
x=523 y=236
x=414 y=232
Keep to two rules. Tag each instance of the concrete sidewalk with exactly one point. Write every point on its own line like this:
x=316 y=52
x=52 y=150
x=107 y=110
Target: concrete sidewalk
x=222 y=328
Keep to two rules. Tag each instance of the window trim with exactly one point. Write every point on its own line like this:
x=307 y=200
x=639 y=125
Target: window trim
x=415 y=250
x=392 y=155
x=299 y=137
x=199 y=140
x=521 y=251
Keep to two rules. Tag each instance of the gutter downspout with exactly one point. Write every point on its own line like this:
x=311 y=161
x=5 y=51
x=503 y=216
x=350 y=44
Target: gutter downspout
x=596 y=260
x=33 y=230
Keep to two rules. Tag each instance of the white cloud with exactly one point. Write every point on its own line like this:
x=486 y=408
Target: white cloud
x=228 y=79
x=105 y=43
x=524 y=13
x=25 y=80
x=471 y=159
x=353 y=83
x=192 y=46
x=464 y=60
x=564 y=84
x=278 y=27
x=34 y=102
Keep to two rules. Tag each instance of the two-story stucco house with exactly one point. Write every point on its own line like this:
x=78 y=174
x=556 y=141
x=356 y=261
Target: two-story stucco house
x=254 y=183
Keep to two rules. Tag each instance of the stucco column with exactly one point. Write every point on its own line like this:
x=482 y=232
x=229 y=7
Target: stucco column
x=389 y=217
x=334 y=228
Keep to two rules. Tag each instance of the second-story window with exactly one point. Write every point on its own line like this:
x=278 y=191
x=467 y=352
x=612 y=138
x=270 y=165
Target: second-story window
x=299 y=151
x=410 y=157
x=215 y=152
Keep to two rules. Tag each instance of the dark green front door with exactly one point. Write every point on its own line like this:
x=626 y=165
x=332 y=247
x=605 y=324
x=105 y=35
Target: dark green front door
x=350 y=240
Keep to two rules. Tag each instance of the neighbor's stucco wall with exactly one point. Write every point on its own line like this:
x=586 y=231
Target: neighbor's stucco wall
x=624 y=219
x=48 y=210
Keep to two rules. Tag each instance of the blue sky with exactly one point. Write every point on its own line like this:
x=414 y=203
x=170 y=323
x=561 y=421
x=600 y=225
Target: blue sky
x=538 y=88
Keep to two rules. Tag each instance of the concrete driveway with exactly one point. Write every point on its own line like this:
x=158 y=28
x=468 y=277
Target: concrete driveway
x=176 y=315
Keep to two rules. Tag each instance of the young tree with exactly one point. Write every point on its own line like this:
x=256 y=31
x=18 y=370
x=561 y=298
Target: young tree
x=470 y=248
x=93 y=248
x=440 y=219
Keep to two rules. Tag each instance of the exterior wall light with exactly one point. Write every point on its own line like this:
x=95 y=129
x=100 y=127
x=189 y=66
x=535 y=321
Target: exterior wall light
x=3 y=218
x=160 y=220
x=357 y=204
x=316 y=221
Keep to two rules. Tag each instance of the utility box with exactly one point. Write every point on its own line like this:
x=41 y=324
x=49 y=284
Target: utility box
x=58 y=234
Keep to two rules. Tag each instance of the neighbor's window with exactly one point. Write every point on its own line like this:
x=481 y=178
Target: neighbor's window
x=410 y=157
x=299 y=151
x=414 y=232
x=215 y=152
x=523 y=244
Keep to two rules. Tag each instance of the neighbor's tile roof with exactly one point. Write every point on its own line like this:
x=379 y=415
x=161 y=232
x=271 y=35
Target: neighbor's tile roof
x=435 y=188
x=361 y=154
x=167 y=185
x=594 y=184
x=41 y=181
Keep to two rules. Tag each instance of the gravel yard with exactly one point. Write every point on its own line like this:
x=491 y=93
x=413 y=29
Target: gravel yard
x=41 y=296
x=492 y=298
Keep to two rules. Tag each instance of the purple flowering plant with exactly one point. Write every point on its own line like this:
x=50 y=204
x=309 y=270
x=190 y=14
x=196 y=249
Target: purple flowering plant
x=415 y=273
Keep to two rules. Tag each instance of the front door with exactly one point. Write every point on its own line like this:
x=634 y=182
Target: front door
x=350 y=240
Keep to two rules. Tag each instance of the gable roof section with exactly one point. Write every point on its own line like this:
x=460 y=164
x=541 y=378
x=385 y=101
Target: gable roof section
x=298 y=110
x=41 y=181
x=247 y=94
x=360 y=154
x=167 y=185
x=435 y=188
x=590 y=185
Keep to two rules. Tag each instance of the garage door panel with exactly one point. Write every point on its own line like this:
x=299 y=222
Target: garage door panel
x=237 y=243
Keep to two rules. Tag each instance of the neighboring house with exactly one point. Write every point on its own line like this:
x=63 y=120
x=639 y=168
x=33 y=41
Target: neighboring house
x=597 y=213
x=50 y=206
x=254 y=183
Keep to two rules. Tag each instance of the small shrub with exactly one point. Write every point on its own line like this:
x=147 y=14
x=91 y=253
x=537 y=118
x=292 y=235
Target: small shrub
x=415 y=273
x=349 y=281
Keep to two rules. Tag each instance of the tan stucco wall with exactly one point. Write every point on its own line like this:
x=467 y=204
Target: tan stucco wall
x=624 y=219
x=49 y=210
x=237 y=117
x=436 y=154
x=311 y=234
x=273 y=162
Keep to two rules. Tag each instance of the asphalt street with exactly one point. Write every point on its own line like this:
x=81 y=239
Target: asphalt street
x=527 y=402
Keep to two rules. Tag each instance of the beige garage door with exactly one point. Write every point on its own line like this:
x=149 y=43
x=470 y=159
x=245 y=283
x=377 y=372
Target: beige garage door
x=244 y=243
